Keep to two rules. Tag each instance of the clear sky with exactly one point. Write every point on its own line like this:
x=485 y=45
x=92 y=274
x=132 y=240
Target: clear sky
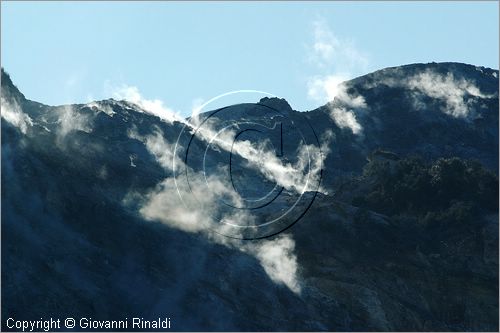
x=184 y=53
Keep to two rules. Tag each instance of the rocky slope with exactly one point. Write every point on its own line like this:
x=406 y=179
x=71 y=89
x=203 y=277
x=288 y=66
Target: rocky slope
x=80 y=237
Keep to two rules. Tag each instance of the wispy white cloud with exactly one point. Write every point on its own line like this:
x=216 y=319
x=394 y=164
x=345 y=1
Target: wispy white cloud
x=69 y=119
x=200 y=210
x=330 y=51
x=345 y=119
x=12 y=113
x=457 y=94
x=451 y=90
x=153 y=106
x=324 y=88
x=327 y=88
x=340 y=59
x=278 y=259
x=300 y=176
x=156 y=144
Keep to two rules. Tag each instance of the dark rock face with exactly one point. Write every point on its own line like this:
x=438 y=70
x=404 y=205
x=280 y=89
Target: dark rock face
x=76 y=244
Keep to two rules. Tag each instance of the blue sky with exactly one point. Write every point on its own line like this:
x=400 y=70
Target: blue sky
x=186 y=53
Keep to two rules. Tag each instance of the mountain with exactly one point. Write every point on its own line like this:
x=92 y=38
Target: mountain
x=396 y=215
x=432 y=110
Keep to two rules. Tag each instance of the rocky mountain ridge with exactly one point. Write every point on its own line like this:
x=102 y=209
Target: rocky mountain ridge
x=82 y=235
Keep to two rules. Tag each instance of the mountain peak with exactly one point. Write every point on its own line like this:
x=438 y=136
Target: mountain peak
x=279 y=104
x=485 y=78
x=9 y=90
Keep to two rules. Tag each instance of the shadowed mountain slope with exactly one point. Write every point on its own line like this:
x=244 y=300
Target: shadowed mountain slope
x=402 y=236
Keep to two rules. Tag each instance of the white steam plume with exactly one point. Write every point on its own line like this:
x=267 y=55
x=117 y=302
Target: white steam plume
x=13 y=114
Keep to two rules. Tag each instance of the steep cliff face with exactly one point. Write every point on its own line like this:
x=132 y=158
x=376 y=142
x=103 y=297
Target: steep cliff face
x=92 y=225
